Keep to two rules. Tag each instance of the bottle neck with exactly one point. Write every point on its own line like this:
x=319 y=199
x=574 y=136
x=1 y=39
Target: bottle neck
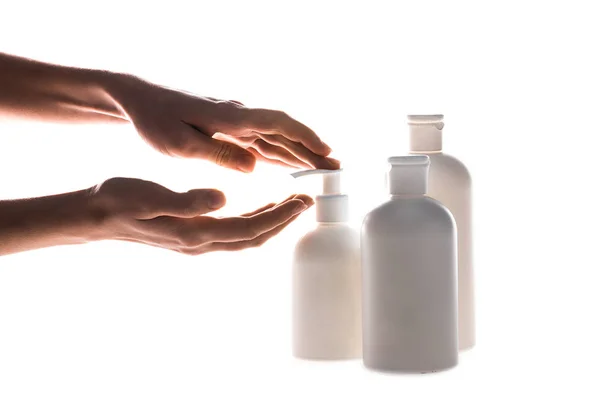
x=425 y=138
x=332 y=209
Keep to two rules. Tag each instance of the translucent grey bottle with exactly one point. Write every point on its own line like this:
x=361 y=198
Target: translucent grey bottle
x=409 y=263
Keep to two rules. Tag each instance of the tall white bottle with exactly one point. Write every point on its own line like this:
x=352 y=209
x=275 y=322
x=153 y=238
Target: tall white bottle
x=409 y=261
x=450 y=183
x=327 y=280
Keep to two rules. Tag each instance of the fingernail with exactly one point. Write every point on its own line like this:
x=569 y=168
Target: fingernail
x=327 y=148
x=215 y=200
x=334 y=163
x=245 y=163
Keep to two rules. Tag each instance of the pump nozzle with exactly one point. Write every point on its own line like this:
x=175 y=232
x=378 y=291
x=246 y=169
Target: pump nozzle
x=331 y=179
x=331 y=204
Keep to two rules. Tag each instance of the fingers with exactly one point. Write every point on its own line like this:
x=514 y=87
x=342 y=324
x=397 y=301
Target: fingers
x=277 y=122
x=259 y=240
x=301 y=153
x=165 y=202
x=262 y=158
x=259 y=210
x=196 y=235
x=220 y=152
x=247 y=228
x=279 y=153
x=256 y=242
x=302 y=197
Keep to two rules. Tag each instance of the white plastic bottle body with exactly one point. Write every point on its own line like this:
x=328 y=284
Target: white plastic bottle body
x=450 y=184
x=327 y=294
x=409 y=261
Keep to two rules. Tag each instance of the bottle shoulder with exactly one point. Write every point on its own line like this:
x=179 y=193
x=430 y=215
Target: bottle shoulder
x=334 y=235
x=414 y=213
x=448 y=164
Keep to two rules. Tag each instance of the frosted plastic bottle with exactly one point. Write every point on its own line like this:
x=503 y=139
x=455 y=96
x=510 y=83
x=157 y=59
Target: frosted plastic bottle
x=409 y=261
x=327 y=280
x=450 y=183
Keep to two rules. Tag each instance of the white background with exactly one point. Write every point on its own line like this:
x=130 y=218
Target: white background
x=518 y=83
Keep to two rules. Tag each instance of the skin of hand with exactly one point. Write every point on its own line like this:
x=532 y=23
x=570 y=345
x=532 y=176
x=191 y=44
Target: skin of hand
x=172 y=121
x=143 y=212
x=227 y=133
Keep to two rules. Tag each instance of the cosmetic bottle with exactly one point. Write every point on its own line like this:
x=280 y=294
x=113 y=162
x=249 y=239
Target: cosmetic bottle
x=409 y=276
x=327 y=279
x=450 y=183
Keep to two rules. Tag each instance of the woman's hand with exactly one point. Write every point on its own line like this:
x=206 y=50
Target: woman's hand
x=227 y=133
x=174 y=122
x=145 y=212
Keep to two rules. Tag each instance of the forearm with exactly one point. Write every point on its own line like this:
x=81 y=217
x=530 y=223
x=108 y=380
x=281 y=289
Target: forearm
x=69 y=218
x=35 y=90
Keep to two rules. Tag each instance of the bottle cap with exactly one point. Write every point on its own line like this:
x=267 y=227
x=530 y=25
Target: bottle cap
x=408 y=175
x=425 y=133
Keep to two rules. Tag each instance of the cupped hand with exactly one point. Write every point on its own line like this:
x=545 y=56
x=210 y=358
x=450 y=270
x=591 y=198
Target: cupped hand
x=227 y=133
x=145 y=212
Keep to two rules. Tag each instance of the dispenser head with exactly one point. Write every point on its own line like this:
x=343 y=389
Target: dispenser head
x=331 y=204
x=332 y=179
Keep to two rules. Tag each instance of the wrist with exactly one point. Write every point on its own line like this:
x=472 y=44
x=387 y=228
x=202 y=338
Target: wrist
x=120 y=89
x=80 y=217
x=93 y=216
x=79 y=92
x=107 y=94
x=68 y=218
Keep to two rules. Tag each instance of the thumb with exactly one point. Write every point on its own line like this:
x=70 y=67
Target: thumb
x=186 y=205
x=219 y=152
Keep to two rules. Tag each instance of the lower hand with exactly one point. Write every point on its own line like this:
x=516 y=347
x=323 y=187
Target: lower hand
x=227 y=133
x=145 y=212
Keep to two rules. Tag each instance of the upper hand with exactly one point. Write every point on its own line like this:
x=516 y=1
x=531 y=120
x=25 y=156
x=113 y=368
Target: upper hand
x=145 y=212
x=227 y=133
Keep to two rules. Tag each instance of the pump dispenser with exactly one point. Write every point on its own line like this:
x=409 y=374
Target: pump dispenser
x=327 y=279
x=331 y=205
x=408 y=249
x=450 y=183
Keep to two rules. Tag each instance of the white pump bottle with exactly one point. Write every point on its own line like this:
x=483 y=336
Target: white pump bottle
x=327 y=280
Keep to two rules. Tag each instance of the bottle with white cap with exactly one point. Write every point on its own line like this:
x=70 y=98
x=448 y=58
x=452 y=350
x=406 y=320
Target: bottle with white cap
x=327 y=280
x=409 y=277
x=450 y=183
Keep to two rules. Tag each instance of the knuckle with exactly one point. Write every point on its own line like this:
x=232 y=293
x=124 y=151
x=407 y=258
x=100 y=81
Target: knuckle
x=258 y=242
x=279 y=115
x=193 y=251
x=222 y=154
x=186 y=251
x=186 y=239
x=231 y=112
x=267 y=118
x=236 y=247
